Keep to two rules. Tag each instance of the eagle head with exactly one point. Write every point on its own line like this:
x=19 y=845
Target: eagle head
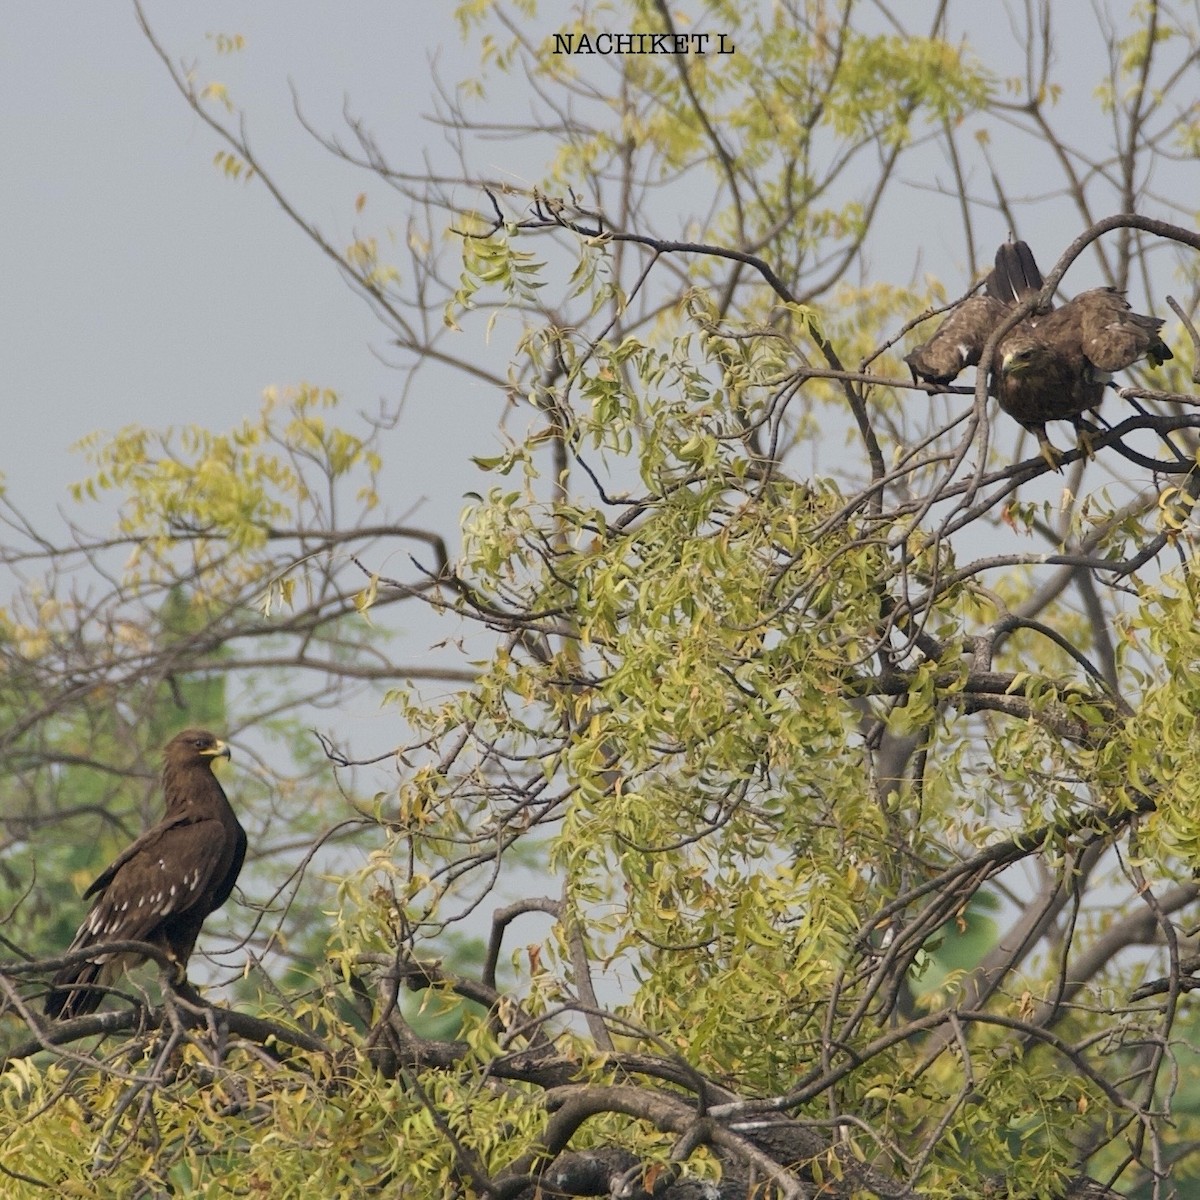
x=195 y=745
x=1023 y=356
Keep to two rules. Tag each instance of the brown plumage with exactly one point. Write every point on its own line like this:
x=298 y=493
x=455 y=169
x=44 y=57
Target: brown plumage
x=164 y=885
x=1054 y=365
x=958 y=341
x=1100 y=326
x=1039 y=381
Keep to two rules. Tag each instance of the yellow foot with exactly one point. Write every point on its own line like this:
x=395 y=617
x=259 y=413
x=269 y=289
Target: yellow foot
x=1083 y=439
x=1052 y=456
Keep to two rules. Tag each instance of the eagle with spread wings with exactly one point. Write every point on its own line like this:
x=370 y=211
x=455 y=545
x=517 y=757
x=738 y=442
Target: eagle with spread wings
x=165 y=884
x=1053 y=365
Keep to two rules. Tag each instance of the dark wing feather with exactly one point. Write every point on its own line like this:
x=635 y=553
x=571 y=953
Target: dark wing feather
x=135 y=848
x=159 y=890
x=958 y=341
x=179 y=867
x=1110 y=334
x=1015 y=275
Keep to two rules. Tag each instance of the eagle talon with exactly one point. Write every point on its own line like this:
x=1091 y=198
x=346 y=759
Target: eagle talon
x=1051 y=453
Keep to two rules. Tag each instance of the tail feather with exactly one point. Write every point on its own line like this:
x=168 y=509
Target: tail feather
x=72 y=993
x=78 y=988
x=1015 y=275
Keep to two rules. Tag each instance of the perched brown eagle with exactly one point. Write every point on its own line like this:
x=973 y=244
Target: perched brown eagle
x=164 y=885
x=1039 y=381
x=1039 y=378
x=1054 y=365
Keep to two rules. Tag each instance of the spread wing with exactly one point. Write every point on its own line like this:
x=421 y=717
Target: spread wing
x=958 y=341
x=1109 y=334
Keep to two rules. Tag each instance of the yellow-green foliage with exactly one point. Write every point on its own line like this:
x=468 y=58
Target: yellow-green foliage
x=712 y=623
x=218 y=497
x=1162 y=760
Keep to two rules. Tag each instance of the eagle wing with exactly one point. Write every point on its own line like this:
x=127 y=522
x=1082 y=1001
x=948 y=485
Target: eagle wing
x=180 y=865
x=1110 y=335
x=958 y=341
x=159 y=890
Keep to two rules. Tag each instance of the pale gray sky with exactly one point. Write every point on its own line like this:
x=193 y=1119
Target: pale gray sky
x=139 y=285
